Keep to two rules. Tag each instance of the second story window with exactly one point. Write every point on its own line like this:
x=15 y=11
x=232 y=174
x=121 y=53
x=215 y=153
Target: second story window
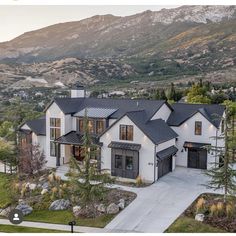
x=95 y=126
x=222 y=126
x=126 y=132
x=198 y=128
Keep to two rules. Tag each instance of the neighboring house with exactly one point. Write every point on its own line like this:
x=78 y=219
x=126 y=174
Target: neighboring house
x=146 y=138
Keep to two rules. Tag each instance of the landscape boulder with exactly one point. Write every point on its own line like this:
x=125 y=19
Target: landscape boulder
x=76 y=211
x=101 y=208
x=112 y=209
x=26 y=209
x=5 y=212
x=32 y=186
x=44 y=191
x=45 y=185
x=199 y=217
x=60 y=204
x=121 y=204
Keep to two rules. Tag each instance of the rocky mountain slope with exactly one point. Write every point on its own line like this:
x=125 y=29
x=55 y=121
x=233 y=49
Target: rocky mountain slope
x=172 y=42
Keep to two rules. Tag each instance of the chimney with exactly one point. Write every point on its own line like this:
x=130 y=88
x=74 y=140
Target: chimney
x=78 y=91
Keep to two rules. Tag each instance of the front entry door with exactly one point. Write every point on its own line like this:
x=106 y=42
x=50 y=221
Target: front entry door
x=197 y=158
x=124 y=163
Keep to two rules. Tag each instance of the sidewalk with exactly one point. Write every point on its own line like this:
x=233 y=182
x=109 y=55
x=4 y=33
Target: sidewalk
x=81 y=229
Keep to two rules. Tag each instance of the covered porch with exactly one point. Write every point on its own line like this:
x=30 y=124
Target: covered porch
x=72 y=146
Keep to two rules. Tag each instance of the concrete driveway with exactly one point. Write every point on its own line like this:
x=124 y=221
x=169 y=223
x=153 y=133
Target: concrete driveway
x=157 y=206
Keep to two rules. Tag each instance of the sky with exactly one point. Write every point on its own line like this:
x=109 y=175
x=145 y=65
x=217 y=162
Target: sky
x=17 y=19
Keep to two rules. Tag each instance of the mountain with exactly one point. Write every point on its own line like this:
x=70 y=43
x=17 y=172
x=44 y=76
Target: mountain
x=171 y=42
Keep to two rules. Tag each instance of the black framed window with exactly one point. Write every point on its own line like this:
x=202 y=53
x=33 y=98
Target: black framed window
x=99 y=126
x=55 y=132
x=126 y=132
x=118 y=161
x=129 y=165
x=198 y=128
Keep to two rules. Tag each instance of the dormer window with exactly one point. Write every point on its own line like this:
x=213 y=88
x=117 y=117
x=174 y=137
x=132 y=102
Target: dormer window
x=198 y=128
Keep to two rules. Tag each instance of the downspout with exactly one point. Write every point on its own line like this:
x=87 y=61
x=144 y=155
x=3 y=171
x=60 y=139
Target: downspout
x=155 y=162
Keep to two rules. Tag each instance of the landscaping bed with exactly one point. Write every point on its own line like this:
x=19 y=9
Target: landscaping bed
x=47 y=199
x=186 y=224
x=208 y=213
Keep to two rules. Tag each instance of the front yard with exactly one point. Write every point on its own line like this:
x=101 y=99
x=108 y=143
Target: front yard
x=217 y=216
x=15 y=192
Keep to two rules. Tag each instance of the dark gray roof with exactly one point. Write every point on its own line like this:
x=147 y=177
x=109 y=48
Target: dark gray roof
x=195 y=145
x=38 y=126
x=74 y=105
x=75 y=138
x=166 y=152
x=156 y=130
x=126 y=146
x=183 y=111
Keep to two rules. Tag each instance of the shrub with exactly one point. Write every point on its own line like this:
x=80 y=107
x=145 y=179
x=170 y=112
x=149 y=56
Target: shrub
x=139 y=181
x=220 y=208
x=230 y=210
x=200 y=205
x=213 y=210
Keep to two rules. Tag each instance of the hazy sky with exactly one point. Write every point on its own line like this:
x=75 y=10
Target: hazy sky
x=15 y=20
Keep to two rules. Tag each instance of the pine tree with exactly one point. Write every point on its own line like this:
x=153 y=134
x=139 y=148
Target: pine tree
x=222 y=175
x=87 y=182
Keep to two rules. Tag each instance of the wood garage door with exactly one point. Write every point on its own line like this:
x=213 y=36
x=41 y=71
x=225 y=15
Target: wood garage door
x=164 y=166
x=197 y=158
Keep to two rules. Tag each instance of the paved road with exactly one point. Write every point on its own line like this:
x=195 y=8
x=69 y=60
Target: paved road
x=157 y=206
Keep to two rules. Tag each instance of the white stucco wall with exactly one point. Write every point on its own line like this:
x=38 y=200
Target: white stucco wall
x=25 y=126
x=163 y=113
x=186 y=134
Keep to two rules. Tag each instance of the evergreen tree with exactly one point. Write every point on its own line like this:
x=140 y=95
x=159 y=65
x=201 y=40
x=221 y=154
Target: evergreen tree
x=162 y=95
x=87 y=182
x=223 y=176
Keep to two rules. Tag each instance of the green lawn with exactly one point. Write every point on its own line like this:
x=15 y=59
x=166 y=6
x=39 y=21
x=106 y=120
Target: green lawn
x=22 y=229
x=188 y=225
x=5 y=198
x=63 y=217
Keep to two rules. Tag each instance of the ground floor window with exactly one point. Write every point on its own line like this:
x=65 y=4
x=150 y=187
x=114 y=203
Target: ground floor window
x=129 y=163
x=118 y=161
x=53 y=149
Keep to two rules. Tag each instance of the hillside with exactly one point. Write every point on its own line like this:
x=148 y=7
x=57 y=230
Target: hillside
x=185 y=41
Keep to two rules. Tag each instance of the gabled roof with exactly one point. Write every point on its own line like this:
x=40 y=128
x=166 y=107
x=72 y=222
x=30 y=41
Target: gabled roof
x=38 y=126
x=74 y=105
x=183 y=111
x=156 y=130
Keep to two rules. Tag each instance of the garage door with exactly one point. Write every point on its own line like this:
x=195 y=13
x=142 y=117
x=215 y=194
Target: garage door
x=197 y=158
x=164 y=166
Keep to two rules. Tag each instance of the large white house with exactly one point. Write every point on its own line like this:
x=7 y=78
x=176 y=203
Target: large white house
x=146 y=138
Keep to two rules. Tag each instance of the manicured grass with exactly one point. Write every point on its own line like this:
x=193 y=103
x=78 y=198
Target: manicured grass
x=63 y=217
x=5 y=198
x=188 y=225
x=22 y=229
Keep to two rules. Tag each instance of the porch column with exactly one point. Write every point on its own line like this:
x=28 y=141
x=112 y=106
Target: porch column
x=58 y=147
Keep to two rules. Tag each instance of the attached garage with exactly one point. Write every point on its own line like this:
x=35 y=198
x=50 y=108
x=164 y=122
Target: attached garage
x=164 y=160
x=197 y=155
